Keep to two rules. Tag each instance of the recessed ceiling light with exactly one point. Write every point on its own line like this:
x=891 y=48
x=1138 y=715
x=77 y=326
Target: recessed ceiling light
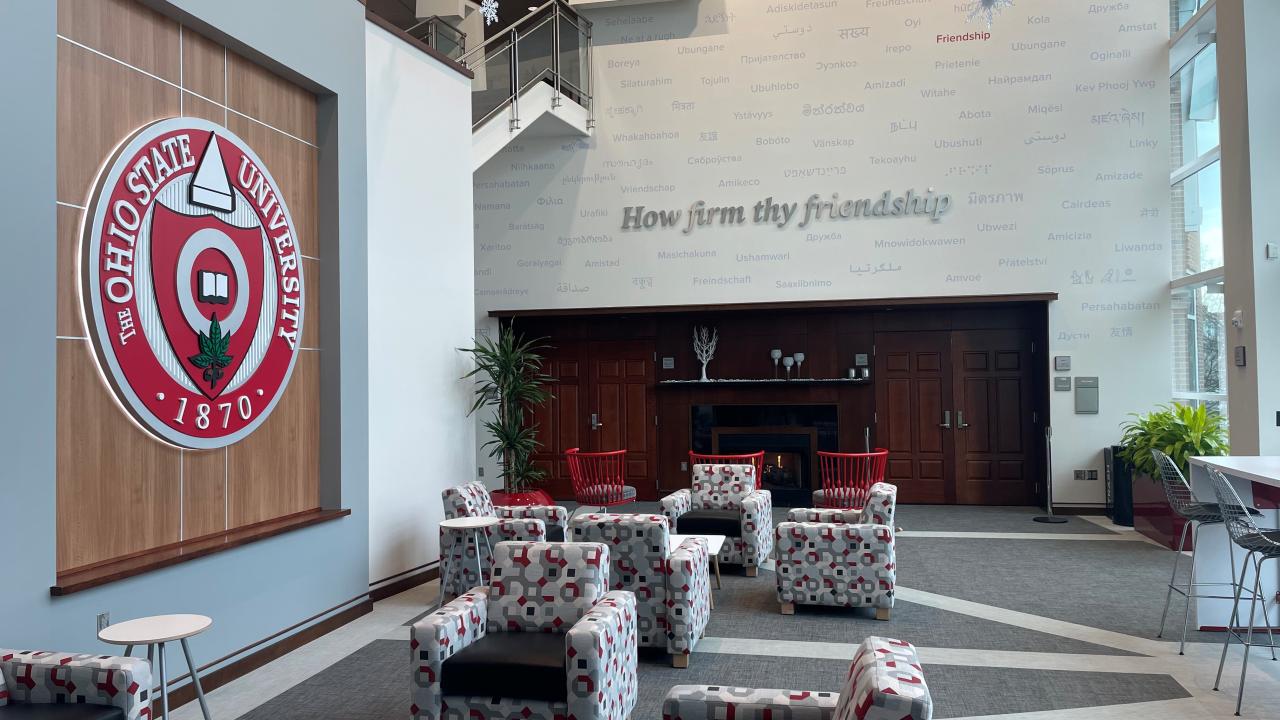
x=532 y=8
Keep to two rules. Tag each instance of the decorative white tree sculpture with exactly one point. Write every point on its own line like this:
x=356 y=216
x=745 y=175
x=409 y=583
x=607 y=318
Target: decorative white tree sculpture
x=704 y=346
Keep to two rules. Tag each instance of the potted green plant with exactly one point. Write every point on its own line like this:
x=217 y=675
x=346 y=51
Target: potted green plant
x=509 y=379
x=1180 y=431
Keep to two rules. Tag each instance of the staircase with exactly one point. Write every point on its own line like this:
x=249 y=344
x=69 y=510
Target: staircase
x=532 y=79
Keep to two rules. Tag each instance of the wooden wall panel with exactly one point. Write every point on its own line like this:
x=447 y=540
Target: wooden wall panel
x=117 y=487
x=204 y=493
x=70 y=323
x=259 y=93
x=120 y=490
x=100 y=101
x=123 y=29
x=193 y=106
x=273 y=471
x=204 y=67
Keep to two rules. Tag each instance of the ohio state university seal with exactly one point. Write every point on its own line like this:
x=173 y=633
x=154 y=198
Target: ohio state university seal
x=192 y=283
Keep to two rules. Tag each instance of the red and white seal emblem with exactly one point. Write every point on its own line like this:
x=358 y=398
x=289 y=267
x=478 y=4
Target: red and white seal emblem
x=192 y=283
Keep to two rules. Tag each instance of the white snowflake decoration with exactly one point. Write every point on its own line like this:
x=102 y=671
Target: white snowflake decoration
x=987 y=9
x=489 y=8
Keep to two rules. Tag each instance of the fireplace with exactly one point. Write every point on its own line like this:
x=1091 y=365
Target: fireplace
x=789 y=435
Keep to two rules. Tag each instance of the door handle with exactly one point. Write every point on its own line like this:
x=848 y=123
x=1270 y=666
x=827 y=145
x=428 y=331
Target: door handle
x=595 y=421
x=960 y=423
x=946 y=420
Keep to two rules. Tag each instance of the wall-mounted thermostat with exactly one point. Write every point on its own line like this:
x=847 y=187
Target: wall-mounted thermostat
x=860 y=360
x=668 y=363
x=1086 y=396
x=1062 y=363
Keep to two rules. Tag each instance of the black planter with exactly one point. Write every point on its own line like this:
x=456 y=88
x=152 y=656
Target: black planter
x=1119 y=482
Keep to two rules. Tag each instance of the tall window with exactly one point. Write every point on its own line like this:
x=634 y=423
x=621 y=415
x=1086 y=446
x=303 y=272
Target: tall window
x=1197 y=290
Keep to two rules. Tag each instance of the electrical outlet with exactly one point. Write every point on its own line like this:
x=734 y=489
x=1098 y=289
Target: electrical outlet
x=480 y=470
x=104 y=620
x=684 y=466
x=1082 y=474
x=1093 y=474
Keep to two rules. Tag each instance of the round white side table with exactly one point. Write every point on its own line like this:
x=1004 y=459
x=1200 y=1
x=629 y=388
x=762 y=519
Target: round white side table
x=154 y=632
x=478 y=527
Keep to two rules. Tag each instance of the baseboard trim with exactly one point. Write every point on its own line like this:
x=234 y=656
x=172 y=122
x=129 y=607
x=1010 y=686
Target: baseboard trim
x=395 y=585
x=400 y=584
x=1079 y=510
x=187 y=693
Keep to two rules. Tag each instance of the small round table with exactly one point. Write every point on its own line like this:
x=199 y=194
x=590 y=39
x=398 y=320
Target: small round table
x=478 y=527
x=154 y=632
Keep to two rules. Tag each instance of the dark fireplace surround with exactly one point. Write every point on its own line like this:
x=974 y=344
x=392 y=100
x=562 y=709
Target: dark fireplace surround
x=789 y=435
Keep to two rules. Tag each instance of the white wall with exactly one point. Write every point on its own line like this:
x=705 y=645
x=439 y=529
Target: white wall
x=420 y=297
x=1051 y=136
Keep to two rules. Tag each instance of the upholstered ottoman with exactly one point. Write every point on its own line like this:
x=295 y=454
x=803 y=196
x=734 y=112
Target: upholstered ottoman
x=885 y=682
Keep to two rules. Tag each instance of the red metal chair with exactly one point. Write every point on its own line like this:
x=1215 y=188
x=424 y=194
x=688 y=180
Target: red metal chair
x=599 y=478
x=847 y=477
x=754 y=459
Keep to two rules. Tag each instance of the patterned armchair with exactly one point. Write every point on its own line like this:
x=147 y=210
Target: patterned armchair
x=672 y=585
x=533 y=523
x=879 y=508
x=885 y=682
x=545 y=640
x=100 y=686
x=830 y=557
x=726 y=500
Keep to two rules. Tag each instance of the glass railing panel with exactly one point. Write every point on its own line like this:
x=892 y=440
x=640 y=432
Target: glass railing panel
x=573 y=60
x=449 y=40
x=534 y=48
x=491 y=88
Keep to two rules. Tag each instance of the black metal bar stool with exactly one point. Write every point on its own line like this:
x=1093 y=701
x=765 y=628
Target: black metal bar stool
x=1184 y=502
x=1259 y=546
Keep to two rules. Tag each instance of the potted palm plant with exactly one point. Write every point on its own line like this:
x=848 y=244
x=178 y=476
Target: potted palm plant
x=1180 y=431
x=509 y=379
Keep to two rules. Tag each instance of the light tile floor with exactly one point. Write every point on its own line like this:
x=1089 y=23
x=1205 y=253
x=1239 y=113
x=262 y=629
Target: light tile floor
x=1194 y=671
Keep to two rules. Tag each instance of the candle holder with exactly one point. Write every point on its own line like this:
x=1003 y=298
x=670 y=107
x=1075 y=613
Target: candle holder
x=776 y=355
x=799 y=358
x=787 y=362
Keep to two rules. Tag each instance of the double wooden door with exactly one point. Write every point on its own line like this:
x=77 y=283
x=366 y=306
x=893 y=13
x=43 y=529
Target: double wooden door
x=956 y=410
x=603 y=400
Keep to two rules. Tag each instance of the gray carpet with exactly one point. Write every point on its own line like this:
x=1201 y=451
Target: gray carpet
x=1117 y=586
x=373 y=684
x=748 y=608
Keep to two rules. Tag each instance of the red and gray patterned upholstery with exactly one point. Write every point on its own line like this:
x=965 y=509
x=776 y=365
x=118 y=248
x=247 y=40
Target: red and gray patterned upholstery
x=885 y=682
x=833 y=562
x=519 y=523
x=730 y=487
x=44 y=678
x=879 y=508
x=673 y=589
x=538 y=587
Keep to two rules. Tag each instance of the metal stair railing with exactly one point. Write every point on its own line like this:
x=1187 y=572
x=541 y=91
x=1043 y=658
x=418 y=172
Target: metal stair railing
x=551 y=44
x=441 y=35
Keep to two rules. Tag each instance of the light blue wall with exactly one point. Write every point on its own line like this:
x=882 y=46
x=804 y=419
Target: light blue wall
x=258 y=589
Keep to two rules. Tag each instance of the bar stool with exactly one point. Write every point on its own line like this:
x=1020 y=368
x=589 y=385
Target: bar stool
x=1184 y=502
x=1259 y=545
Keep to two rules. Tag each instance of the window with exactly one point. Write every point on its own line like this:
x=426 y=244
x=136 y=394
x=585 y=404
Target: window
x=1183 y=11
x=1197 y=300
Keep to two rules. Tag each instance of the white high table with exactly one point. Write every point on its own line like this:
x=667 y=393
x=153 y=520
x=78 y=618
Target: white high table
x=1212 y=562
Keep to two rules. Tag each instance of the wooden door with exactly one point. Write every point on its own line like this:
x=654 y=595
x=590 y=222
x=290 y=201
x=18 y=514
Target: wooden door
x=913 y=393
x=562 y=421
x=996 y=459
x=620 y=397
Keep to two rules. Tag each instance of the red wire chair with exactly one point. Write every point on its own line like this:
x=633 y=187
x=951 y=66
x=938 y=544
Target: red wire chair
x=847 y=477
x=756 y=460
x=599 y=478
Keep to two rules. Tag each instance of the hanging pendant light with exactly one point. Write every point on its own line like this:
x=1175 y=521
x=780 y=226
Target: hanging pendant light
x=987 y=9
